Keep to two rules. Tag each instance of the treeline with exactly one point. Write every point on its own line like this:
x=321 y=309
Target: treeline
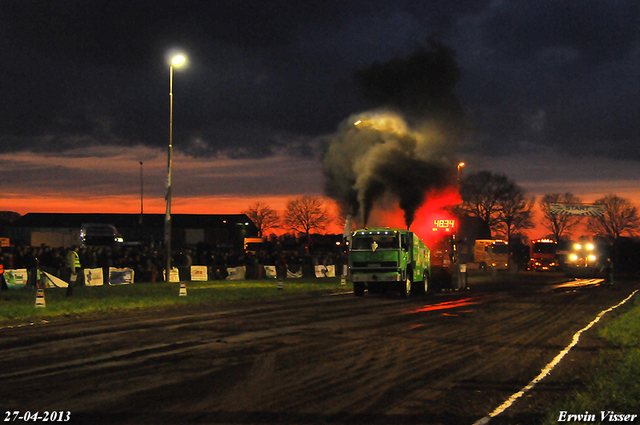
x=506 y=209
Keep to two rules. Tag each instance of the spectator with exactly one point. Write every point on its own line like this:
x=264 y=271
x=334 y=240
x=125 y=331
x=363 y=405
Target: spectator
x=73 y=267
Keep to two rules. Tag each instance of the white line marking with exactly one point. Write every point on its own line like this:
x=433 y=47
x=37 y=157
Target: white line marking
x=543 y=374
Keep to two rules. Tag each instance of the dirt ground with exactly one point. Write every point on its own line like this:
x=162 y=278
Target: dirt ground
x=447 y=358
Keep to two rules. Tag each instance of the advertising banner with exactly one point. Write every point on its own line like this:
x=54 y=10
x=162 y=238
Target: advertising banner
x=294 y=275
x=577 y=209
x=236 y=273
x=173 y=277
x=51 y=281
x=93 y=277
x=120 y=276
x=270 y=272
x=325 y=271
x=199 y=273
x=16 y=278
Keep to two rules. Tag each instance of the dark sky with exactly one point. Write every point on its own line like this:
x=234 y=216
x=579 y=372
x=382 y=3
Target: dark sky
x=270 y=76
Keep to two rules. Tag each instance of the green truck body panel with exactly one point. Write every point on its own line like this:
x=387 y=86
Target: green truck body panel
x=382 y=255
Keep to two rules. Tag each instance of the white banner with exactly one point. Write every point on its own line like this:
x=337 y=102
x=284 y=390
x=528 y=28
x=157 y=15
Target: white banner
x=51 y=281
x=236 y=273
x=174 y=276
x=577 y=209
x=16 y=278
x=120 y=276
x=93 y=277
x=199 y=273
x=292 y=275
x=270 y=272
x=325 y=271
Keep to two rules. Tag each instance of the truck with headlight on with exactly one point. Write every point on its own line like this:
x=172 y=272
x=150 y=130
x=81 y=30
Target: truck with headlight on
x=385 y=259
x=582 y=258
x=543 y=255
x=99 y=234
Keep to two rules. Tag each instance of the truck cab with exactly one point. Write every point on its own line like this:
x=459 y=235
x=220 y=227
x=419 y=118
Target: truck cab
x=491 y=254
x=382 y=259
x=544 y=255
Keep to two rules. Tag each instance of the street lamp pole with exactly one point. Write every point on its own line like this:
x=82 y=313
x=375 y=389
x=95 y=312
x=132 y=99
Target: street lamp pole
x=175 y=61
x=141 y=195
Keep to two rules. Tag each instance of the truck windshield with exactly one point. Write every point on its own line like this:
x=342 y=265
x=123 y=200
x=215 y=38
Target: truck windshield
x=544 y=248
x=500 y=249
x=375 y=242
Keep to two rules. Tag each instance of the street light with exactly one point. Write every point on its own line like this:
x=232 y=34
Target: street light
x=176 y=61
x=460 y=165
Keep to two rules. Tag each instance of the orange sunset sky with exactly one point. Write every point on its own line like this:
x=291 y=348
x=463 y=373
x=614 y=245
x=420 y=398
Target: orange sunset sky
x=108 y=180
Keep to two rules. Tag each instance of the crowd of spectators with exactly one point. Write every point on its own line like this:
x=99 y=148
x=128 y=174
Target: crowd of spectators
x=149 y=264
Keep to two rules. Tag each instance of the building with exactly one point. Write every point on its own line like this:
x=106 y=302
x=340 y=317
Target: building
x=56 y=230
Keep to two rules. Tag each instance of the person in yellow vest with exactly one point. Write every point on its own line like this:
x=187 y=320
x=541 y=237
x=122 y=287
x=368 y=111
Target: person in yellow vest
x=3 y=283
x=72 y=263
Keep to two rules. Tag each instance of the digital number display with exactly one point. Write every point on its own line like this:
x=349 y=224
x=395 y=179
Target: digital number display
x=443 y=224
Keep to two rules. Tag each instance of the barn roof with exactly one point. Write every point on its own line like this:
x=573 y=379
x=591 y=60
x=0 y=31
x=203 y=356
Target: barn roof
x=73 y=220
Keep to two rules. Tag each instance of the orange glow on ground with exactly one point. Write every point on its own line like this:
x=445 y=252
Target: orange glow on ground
x=452 y=304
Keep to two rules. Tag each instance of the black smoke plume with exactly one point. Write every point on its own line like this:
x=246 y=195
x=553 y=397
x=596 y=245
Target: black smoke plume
x=406 y=147
x=419 y=86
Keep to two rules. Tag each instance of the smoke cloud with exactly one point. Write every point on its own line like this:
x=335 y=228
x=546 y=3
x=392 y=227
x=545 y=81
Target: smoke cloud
x=405 y=147
x=377 y=160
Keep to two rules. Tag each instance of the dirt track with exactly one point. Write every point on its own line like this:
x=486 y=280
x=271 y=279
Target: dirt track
x=449 y=358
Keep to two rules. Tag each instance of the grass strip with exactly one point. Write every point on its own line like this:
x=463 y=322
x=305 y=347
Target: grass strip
x=19 y=305
x=615 y=383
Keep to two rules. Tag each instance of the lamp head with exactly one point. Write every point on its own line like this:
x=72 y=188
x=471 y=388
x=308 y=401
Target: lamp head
x=178 y=60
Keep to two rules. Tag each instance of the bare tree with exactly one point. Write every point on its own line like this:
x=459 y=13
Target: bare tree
x=620 y=218
x=263 y=217
x=305 y=214
x=559 y=224
x=515 y=213
x=484 y=195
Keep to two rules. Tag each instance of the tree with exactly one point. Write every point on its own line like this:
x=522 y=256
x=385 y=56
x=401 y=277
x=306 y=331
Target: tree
x=305 y=214
x=559 y=224
x=263 y=217
x=620 y=217
x=515 y=213
x=8 y=216
x=484 y=195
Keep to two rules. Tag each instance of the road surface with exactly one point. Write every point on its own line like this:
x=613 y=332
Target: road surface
x=447 y=358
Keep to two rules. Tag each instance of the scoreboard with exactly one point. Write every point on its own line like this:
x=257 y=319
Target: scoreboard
x=444 y=225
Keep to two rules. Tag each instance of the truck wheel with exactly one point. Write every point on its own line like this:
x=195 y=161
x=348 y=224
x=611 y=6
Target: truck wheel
x=421 y=287
x=405 y=287
x=358 y=289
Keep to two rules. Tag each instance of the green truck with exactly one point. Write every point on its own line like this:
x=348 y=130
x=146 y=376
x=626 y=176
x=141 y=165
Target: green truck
x=382 y=259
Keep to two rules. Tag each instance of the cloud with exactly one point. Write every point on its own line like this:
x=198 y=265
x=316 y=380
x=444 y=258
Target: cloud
x=541 y=170
x=113 y=173
x=268 y=85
